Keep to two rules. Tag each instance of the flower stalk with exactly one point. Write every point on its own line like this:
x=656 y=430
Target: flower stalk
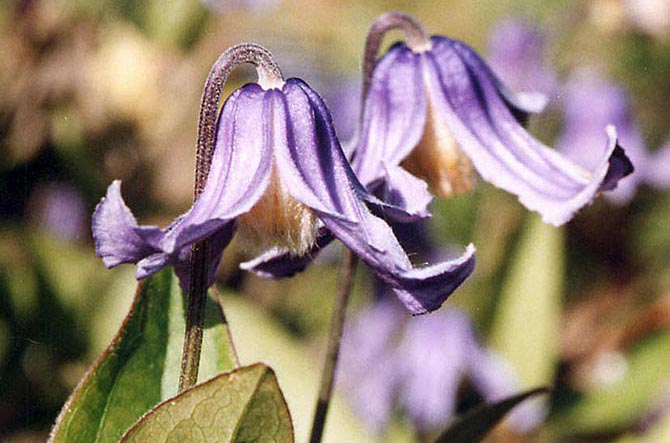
x=346 y=280
x=417 y=39
x=268 y=74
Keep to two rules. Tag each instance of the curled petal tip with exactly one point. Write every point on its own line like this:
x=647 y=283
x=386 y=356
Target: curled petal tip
x=620 y=165
x=118 y=239
x=423 y=290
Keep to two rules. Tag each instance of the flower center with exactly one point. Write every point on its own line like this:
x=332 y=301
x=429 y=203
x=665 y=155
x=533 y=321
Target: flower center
x=438 y=159
x=278 y=220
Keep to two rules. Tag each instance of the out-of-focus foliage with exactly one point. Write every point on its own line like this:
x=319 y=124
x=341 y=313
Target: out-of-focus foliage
x=92 y=91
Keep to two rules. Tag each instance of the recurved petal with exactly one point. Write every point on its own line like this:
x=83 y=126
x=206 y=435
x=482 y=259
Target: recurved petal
x=394 y=114
x=503 y=153
x=240 y=169
x=400 y=189
x=317 y=173
x=423 y=290
x=118 y=238
x=279 y=263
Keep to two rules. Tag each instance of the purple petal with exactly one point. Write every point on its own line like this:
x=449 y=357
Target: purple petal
x=433 y=360
x=400 y=189
x=368 y=369
x=314 y=168
x=394 y=114
x=500 y=149
x=279 y=263
x=118 y=238
x=240 y=169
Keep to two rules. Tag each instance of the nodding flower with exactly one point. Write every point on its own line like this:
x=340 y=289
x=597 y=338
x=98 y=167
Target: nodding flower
x=433 y=114
x=434 y=108
x=279 y=178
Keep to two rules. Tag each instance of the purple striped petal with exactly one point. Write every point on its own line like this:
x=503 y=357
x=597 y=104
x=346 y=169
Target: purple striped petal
x=240 y=169
x=394 y=115
x=314 y=168
x=500 y=149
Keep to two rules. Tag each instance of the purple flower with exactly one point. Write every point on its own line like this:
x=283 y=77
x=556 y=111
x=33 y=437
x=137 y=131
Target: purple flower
x=60 y=209
x=435 y=109
x=607 y=104
x=516 y=53
x=420 y=363
x=280 y=180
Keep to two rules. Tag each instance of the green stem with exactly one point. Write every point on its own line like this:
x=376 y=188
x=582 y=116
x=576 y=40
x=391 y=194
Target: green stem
x=346 y=280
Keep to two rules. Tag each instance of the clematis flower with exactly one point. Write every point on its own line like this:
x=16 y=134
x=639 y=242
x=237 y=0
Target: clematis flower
x=434 y=112
x=418 y=365
x=608 y=103
x=434 y=109
x=279 y=179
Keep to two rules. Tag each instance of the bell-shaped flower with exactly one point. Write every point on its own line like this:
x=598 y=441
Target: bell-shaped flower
x=435 y=109
x=280 y=179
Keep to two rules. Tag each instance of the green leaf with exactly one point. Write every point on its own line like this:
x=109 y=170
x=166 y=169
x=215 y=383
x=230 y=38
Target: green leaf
x=474 y=426
x=244 y=405
x=140 y=367
x=526 y=325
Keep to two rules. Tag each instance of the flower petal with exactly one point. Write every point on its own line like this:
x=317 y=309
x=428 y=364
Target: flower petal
x=394 y=114
x=400 y=189
x=279 y=263
x=118 y=238
x=240 y=169
x=500 y=149
x=432 y=360
x=315 y=169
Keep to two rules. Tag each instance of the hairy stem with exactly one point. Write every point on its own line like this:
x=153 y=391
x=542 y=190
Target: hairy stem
x=268 y=75
x=416 y=36
x=346 y=280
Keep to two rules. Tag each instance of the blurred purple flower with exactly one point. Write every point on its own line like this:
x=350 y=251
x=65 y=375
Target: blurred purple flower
x=60 y=209
x=280 y=179
x=418 y=365
x=516 y=53
x=435 y=110
x=591 y=103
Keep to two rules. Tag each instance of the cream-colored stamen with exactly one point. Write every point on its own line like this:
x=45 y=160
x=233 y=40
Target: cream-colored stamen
x=278 y=220
x=438 y=159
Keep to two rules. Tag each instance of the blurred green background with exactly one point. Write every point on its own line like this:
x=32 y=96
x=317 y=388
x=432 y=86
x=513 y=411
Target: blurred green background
x=97 y=90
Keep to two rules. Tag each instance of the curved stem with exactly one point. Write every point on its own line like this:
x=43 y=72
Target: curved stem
x=416 y=36
x=346 y=280
x=269 y=75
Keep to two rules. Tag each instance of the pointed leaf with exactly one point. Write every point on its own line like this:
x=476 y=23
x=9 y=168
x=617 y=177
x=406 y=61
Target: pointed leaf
x=141 y=365
x=474 y=426
x=244 y=405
